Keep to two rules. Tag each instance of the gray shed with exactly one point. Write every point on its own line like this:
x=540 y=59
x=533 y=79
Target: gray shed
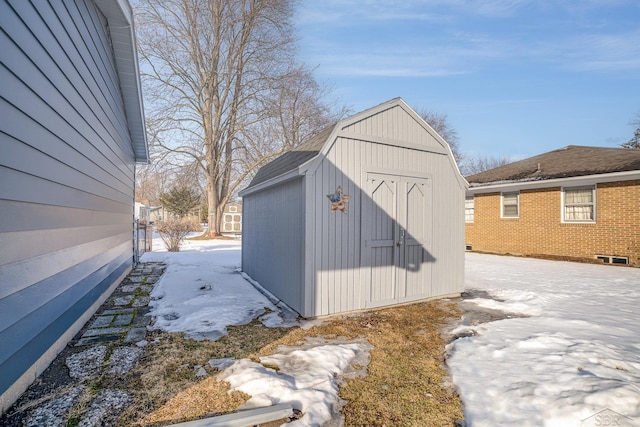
x=368 y=213
x=71 y=132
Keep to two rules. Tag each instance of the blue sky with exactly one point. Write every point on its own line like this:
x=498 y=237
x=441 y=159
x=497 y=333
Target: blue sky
x=515 y=77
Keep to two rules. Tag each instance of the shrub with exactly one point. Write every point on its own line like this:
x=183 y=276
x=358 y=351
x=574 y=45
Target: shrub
x=173 y=232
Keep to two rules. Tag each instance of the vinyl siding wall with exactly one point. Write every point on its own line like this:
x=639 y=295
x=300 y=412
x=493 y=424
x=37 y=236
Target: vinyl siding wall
x=273 y=240
x=66 y=176
x=338 y=281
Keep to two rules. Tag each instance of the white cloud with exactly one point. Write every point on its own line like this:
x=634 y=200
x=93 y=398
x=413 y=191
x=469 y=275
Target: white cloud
x=407 y=39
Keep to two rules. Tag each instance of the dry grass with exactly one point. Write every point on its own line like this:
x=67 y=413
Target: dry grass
x=404 y=385
x=164 y=383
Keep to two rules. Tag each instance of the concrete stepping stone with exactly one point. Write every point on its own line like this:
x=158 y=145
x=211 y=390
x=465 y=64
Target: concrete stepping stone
x=123 y=320
x=104 y=331
x=54 y=412
x=141 y=301
x=87 y=362
x=135 y=335
x=120 y=310
x=123 y=300
x=106 y=405
x=123 y=359
x=101 y=322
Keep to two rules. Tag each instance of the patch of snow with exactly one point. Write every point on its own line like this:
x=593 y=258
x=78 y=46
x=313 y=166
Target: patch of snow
x=201 y=292
x=221 y=363
x=576 y=355
x=307 y=377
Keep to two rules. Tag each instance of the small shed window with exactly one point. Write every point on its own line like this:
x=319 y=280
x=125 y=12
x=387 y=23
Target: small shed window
x=468 y=209
x=233 y=209
x=232 y=223
x=579 y=204
x=511 y=205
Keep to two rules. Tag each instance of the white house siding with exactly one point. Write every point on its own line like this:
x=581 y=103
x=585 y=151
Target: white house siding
x=66 y=179
x=273 y=240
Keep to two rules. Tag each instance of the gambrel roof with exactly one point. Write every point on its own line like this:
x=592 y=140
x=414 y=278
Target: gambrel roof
x=295 y=162
x=568 y=162
x=294 y=158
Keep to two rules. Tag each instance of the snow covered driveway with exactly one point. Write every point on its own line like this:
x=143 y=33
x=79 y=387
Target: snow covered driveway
x=576 y=355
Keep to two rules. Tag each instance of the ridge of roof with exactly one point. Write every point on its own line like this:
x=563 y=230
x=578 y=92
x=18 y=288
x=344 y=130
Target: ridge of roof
x=566 y=162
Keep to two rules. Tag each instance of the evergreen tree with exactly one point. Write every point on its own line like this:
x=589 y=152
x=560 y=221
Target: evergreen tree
x=180 y=200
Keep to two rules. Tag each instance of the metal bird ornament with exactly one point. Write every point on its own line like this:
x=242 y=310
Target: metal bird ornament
x=338 y=201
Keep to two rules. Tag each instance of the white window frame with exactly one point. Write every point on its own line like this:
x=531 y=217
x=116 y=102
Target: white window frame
x=593 y=203
x=233 y=209
x=232 y=222
x=502 y=215
x=471 y=209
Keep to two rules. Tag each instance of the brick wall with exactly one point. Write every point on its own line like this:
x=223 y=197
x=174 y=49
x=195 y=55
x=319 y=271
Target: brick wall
x=539 y=230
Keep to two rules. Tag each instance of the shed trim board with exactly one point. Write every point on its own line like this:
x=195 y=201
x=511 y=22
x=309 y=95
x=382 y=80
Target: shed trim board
x=71 y=135
x=337 y=270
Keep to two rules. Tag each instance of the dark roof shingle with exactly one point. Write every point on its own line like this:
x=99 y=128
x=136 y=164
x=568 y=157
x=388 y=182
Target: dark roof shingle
x=292 y=159
x=570 y=161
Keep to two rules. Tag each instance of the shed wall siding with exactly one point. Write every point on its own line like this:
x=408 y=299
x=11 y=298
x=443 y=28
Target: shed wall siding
x=273 y=241
x=66 y=175
x=395 y=124
x=339 y=280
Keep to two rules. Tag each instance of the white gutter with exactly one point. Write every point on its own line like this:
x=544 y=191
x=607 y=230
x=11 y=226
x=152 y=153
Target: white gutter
x=556 y=182
x=123 y=39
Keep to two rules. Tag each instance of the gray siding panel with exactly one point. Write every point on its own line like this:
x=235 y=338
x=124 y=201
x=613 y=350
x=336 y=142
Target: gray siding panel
x=351 y=261
x=273 y=241
x=42 y=139
x=66 y=175
x=32 y=337
x=38 y=298
x=340 y=281
x=21 y=216
x=65 y=51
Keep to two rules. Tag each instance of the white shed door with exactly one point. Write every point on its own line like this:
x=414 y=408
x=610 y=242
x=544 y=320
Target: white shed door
x=396 y=224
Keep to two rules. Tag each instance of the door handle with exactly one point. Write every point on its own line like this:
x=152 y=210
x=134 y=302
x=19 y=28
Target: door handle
x=401 y=241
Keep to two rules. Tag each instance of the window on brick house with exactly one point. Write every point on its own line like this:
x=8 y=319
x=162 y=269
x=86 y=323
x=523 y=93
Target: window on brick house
x=468 y=209
x=510 y=205
x=579 y=204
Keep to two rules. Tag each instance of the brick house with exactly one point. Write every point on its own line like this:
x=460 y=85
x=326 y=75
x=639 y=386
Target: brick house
x=575 y=203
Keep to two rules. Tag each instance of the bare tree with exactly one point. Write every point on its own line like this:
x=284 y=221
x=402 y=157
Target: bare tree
x=440 y=124
x=211 y=69
x=151 y=181
x=474 y=165
x=293 y=114
x=634 y=142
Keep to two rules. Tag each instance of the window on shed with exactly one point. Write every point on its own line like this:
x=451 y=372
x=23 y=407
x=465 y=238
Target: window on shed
x=510 y=205
x=579 y=204
x=232 y=223
x=468 y=209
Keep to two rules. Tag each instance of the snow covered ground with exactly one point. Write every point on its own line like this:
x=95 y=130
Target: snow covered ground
x=576 y=355
x=202 y=292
